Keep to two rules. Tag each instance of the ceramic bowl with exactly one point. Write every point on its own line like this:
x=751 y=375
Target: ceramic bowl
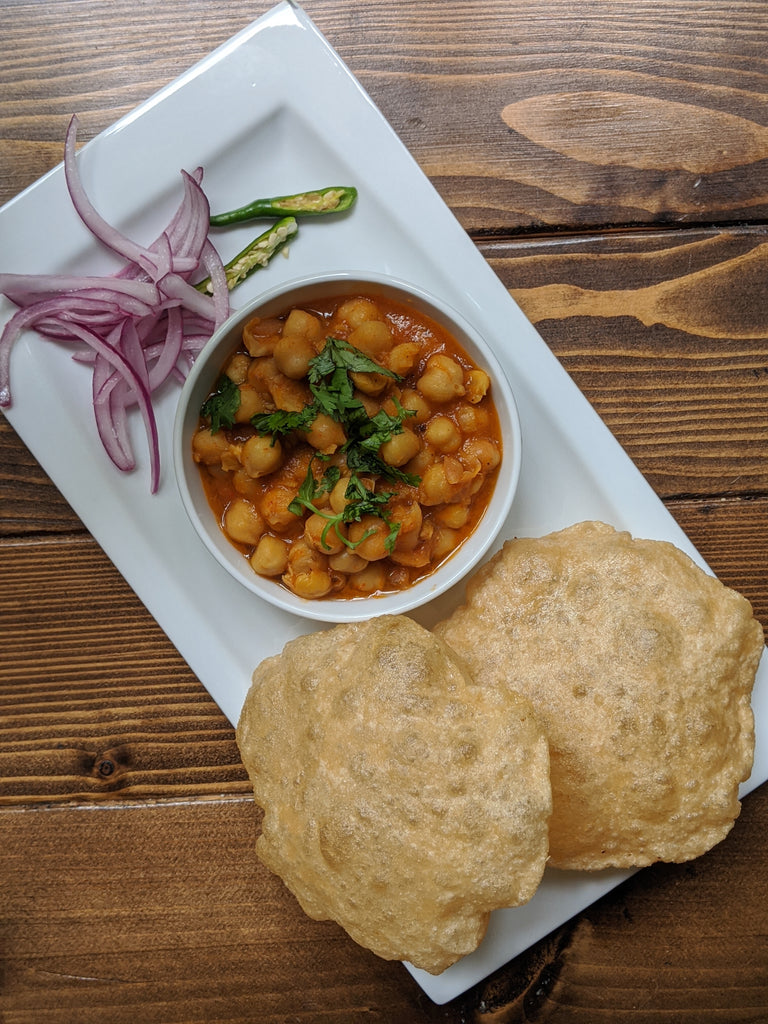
x=203 y=376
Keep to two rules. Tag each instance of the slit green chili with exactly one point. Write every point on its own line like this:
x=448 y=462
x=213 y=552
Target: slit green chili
x=255 y=255
x=321 y=201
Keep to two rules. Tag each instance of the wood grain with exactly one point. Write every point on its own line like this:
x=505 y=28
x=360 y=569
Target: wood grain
x=609 y=158
x=165 y=912
x=675 y=360
x=475 y=61
x=162 y=913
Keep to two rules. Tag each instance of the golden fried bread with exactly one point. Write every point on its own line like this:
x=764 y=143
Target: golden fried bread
x=639 y=666
x=401 y=799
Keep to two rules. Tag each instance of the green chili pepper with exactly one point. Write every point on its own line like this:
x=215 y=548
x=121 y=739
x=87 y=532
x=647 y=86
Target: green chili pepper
x=256 y=255
x=304 y=204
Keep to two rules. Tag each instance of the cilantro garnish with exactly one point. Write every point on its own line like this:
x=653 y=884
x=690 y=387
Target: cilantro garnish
x=282 y=422
x=223 y=404
x=363 y=456
x=360 y=502
x=333 y=393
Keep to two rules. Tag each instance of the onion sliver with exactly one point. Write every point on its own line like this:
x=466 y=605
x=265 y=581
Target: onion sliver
x=136 y=328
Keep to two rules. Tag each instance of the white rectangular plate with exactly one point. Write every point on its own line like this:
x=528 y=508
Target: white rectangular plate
x=275 y=111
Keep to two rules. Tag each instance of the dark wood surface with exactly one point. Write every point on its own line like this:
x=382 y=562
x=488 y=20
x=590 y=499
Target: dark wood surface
x=610 y=160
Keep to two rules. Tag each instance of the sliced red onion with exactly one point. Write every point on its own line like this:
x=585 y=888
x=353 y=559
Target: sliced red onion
x=136 y=328
x=99 y=228
x=23 y=289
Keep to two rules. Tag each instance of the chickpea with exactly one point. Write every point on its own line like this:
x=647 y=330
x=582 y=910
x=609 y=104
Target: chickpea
x=435 y=487
x=403 y=357
x=461 y=471
x=330 y=544
x=399 y=577
x=270 y=557
x=338 y=580
x=302 y=557
x=288 y=394
x=373 y=547
x=415 y=404
x=312 y=584
x=418 y=465
x=442 y=380
x=292 y=355
x=472 y=419
x=415 y=558
x=373 y=337
x=369 y=580
x=208 y=448
x=261 y=372
x=347 y=561
x=325 y=434
x=230 y=458
x=369 y=383
x=259 y=336
x=477 y=384
x=261 y=455
x=484 y=450
x=338 y=498
x=444 y=542
x=408 y=516
x=307 y=573
x=251 y=403
x=237 y=367
x=454 y=516
x=274 y=508
x=369 y=402
x=400 y=448
x=356 y=311
x=245 y=485
x=301 y=324
x=443 y=434
x=243 y=522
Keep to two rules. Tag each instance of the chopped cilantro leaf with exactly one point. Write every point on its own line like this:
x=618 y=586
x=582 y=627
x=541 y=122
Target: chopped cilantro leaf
x=283 y=422
x=360 y=502
x=338 y=354
x=222 y=405
x=333 y=393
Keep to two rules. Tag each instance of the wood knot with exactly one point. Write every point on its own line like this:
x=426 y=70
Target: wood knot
x=109 y=766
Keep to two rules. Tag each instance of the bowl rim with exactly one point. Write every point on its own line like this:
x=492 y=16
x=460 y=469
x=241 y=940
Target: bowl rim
x=457 y=565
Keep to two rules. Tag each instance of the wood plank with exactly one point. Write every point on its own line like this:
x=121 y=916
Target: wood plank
x=166 y=911
x=527 y=116
x=667 y=336
x=548 y=114
x=95 y=703
x=29 y=501
x=163 y=910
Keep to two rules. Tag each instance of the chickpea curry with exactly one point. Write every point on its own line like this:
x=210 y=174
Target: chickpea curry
x=349 y=447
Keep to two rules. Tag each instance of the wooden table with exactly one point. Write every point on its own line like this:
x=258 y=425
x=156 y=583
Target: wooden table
x=610 y=160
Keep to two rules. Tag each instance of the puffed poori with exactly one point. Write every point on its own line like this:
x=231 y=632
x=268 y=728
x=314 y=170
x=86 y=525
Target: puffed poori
x=639 y=666
x=402 y=799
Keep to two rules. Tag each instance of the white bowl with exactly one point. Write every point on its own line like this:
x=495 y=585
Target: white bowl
x=206 y=371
